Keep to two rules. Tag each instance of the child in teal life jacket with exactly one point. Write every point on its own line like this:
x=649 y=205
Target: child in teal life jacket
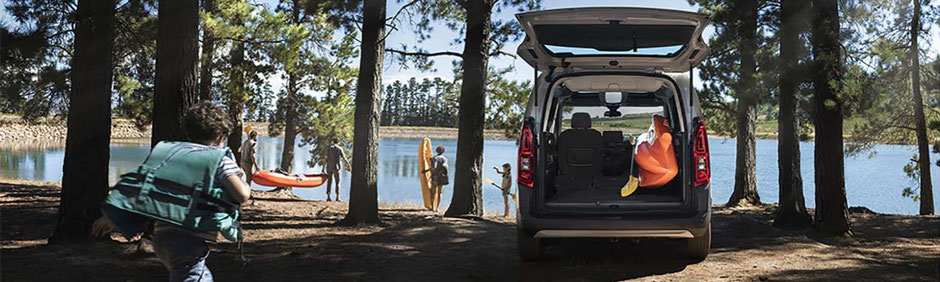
x=180 y=241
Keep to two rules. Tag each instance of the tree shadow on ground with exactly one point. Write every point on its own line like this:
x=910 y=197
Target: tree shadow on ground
x=27 y=212
x=290 y=241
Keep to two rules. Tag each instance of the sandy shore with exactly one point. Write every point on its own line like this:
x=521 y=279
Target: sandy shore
x=52 y=131
x=291 y=239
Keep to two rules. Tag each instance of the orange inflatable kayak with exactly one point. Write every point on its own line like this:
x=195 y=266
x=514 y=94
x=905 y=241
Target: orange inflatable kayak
x=276 y=179
x=655 y=155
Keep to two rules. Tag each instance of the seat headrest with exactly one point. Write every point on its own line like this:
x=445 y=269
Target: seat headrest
x=613 y=136
x=581 y=120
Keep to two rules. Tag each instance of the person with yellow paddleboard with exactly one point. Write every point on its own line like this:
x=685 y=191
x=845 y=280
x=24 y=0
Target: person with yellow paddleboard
x=439 y=177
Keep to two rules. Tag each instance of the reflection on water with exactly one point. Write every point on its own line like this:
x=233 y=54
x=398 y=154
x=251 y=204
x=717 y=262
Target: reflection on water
x=875 y=182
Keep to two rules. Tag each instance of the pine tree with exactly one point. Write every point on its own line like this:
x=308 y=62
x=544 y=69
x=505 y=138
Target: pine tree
x=85 y=171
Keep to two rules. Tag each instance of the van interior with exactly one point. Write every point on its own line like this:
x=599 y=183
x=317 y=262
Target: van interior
x=591 y=143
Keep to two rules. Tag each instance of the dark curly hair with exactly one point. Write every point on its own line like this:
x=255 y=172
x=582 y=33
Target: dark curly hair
x=205 y=122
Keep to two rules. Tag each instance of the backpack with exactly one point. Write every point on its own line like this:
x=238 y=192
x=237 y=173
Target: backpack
x=175 y=184
x=439 y=174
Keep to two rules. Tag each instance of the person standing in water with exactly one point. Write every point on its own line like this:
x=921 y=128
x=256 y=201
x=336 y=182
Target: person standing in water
x=507 y=185
x=333 y=154
x=439 y=176
x=248 y=162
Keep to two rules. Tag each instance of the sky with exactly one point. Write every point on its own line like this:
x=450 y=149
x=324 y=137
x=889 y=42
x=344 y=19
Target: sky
x=442 y=38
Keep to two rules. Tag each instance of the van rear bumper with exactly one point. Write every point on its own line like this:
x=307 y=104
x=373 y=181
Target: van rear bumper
x=614 y=234
x=654 y=227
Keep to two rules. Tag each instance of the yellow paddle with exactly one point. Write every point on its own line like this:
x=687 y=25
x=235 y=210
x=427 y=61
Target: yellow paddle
x=487 y=180
x=632 y=183
x=631 y=186
x=247 y=129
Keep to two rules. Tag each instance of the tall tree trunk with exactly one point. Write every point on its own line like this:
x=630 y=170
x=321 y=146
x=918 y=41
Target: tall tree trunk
x=290 y=128
x=923 y=149
x=208 y=49
x=85 y=171
x=468 y=195
x=791 y=211
x=236 y=97
x=177 y=54
x=745 y=175
x=832 y=216
x=363 y=194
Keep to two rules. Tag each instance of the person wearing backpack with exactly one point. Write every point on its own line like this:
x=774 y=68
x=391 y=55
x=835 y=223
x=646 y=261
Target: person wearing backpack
x=191 y=189
x=439 y=176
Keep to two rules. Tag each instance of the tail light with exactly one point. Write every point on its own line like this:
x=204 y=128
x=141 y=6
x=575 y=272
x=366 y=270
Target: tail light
x=526 y=163
x=700 y=156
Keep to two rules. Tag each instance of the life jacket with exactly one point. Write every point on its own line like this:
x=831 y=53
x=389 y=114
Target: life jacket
x=175 y=184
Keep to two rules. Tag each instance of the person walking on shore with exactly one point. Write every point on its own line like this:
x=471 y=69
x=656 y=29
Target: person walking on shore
x=333 y=154
x=248 y=162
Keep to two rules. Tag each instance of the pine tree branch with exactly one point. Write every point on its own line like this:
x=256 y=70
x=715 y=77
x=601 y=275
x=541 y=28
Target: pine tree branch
x=424 y=54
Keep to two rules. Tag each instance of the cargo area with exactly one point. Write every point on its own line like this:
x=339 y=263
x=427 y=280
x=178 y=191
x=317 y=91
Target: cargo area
x=591 y=151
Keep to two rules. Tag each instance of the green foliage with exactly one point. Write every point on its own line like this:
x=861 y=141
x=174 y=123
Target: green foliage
x=332 y=118
x=425 y=15
x=720 y=72
x=506 y=102
x=242 y=63
x=912 y=171
x=877 y=82
x=434 y=102
x=36 y=51
x=426 y=103
x=135 y=48
x=299 y=53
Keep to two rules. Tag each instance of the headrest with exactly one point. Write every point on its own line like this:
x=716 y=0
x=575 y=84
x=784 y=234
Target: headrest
x=613 y=136
x=581 y=120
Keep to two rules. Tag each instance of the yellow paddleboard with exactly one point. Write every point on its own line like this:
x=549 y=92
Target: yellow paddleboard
x=424 y=162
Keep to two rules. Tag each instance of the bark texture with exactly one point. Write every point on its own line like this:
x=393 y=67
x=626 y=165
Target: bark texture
x=923 y=147
x=468 y=197
x=290 y=124
x=745 y=175
x=85 y=171
x=791 y=211
x=832 y=217
x=177 y=55
x=237 y=95
x=363 y=194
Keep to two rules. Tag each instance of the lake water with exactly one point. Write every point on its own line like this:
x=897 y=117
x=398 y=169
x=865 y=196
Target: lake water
x=874 y=182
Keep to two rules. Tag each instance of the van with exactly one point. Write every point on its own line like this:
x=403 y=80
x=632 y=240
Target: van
x=602 y=77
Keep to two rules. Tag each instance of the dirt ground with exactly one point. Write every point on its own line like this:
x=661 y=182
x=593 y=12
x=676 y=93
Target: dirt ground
x=290 y=239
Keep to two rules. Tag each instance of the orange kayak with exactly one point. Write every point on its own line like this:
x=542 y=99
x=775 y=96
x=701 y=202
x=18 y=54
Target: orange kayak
x=276 y=179
x=655 y=155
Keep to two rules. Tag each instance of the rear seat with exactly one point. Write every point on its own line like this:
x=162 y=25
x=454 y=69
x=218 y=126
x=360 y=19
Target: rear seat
x=615 y=154
x=580 y=151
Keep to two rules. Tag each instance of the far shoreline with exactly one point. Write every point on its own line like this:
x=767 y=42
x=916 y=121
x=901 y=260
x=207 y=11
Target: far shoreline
x=50 y=132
